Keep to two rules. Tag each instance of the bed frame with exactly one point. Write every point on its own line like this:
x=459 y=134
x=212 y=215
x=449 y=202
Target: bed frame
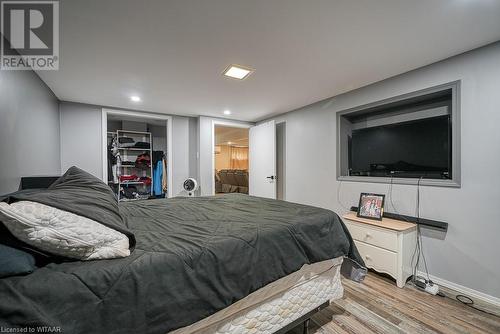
x=305 y=320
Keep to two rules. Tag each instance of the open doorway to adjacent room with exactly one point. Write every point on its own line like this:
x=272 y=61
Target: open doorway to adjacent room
x=230 y=159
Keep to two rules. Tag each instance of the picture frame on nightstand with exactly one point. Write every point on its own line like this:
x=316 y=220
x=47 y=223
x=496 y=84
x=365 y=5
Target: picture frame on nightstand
x=371 y=206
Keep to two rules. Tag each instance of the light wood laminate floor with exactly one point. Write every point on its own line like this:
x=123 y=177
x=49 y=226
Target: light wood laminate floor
x=378 y=306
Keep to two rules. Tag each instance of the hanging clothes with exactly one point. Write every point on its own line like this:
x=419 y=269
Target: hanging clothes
x=164 y=176
x=111 y=163
x=112 y=160
x=157 y=179
x=157 y=156
x=158 y=173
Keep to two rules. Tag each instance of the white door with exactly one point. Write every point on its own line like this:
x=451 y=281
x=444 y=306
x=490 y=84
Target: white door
x=262 y=160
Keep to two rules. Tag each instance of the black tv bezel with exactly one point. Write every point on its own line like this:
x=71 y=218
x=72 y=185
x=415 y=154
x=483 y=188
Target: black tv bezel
x=410 y=174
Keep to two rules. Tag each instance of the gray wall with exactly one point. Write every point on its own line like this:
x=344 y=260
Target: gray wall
x=193 y=147
x=29 y=129
x=81 y=137
x=205 y=155
x=468 y=255
x=159 y=134
x=81 y=141
x=183 y=152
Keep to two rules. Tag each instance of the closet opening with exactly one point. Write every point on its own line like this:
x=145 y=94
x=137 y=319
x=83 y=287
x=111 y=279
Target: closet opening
x=230 y=159
x=137 y=155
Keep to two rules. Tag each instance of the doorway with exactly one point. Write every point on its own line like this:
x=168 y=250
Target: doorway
x=230 y=156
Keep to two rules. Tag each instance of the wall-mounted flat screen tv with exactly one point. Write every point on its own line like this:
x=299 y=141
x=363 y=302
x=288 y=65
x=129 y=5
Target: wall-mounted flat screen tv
x=413 y=149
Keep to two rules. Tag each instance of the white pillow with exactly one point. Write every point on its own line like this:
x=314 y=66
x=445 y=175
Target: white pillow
x=62 y=233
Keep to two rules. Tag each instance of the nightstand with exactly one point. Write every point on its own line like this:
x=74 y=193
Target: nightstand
x=386 y=246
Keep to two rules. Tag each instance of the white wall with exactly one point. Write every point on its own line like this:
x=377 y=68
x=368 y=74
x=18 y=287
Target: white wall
x=81 y=137
x=29 y=129
x=469 y=254
x=81 y=141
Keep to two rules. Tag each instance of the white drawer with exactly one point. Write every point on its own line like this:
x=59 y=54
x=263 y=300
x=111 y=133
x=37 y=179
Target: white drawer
x=372 y=235
x=378 y=258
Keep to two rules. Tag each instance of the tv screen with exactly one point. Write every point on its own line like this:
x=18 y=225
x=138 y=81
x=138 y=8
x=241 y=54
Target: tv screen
x=420 y=148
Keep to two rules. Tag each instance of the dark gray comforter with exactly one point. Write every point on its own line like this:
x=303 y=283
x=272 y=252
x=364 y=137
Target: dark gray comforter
x=193 y=257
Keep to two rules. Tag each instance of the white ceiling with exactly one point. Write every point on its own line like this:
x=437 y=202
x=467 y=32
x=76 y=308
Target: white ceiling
x=236 y=136
x=172 y=53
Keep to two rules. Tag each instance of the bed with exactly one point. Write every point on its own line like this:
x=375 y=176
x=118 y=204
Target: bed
x=278 y=306
x=199 y=265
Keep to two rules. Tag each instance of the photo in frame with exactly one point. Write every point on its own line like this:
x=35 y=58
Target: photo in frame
x=371 y=206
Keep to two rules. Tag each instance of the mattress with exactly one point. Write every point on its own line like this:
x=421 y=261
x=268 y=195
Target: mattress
x=276 y=304
x=193 y=257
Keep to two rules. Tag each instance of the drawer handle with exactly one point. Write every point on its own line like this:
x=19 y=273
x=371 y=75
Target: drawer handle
x=368 y=235
x=367 y=257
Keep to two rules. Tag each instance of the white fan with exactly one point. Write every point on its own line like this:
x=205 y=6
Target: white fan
x=190 y=185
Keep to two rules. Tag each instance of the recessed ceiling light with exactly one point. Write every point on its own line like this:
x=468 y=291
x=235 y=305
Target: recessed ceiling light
x=229 y=143
x=227 y=112
x=135 y=98
x=237 y=72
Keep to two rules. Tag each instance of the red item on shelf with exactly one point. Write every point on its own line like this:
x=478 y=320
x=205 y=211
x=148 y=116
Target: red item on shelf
x=124 y=178
x=143 y=161
x=146 y=180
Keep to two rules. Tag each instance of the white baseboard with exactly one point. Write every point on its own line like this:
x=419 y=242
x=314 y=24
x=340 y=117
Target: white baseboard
x=474 y=294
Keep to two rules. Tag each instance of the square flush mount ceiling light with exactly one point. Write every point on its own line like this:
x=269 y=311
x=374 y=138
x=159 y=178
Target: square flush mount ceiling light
x=135 y=98
x=237 y=71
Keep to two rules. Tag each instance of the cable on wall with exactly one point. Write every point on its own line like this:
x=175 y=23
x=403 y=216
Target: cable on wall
x=418 y=251
x=419 y=234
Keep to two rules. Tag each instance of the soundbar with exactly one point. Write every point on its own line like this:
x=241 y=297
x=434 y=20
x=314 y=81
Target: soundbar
x=421 y=221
